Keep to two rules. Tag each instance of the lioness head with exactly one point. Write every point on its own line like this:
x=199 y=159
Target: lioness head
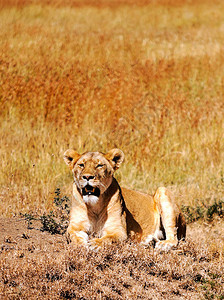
x=93 y=171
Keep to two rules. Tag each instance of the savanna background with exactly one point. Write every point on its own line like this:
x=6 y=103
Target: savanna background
x=144 y=76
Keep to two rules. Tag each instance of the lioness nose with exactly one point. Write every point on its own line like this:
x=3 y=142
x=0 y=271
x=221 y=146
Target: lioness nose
x=88 y=177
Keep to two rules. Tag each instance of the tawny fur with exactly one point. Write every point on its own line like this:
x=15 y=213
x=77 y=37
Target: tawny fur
x=103 y=212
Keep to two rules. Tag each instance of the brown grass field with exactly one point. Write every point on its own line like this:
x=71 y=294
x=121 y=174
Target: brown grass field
x=144 y=76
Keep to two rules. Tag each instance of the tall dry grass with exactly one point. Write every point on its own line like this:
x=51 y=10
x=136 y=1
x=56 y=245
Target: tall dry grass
x=148 y=79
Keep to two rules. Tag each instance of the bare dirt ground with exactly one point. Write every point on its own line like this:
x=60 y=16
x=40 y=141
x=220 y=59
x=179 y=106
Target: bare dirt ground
x=38 y=265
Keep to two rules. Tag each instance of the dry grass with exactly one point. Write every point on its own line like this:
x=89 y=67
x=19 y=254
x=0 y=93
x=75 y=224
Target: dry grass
x=93 y=75
x=37 y=265
x=147 y=79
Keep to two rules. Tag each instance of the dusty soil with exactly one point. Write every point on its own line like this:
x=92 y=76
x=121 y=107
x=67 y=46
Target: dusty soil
x=15 y=235
x=38 y=265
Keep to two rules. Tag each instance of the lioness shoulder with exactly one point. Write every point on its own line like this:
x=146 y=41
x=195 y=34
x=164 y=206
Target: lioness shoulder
x=103 y=212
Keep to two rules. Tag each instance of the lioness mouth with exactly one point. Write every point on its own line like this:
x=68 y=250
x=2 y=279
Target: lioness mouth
x=90 y=190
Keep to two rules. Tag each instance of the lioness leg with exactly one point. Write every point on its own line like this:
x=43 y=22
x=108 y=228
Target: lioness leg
x=169 y=213
x=78 y=226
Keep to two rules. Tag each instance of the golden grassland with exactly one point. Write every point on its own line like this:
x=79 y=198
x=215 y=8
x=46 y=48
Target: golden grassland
x=144 y=76
x=148 y=79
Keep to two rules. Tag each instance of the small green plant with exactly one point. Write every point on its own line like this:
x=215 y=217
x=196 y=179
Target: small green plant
x=201 y=211
x=193 y=214
x=216 y=208
x=29 y=218
x=50 y=224
x=62 y=203
x=56 y=222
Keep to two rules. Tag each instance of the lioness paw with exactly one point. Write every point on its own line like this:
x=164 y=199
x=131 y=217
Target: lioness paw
x=165 y=246
x=96 y=244
x=79 y=237
x=149 y=241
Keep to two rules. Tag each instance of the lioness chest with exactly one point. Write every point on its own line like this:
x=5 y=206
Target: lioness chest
x=96 y=223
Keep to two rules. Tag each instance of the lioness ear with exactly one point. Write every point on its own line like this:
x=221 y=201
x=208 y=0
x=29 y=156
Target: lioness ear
x=71 y=157
x=115 y=157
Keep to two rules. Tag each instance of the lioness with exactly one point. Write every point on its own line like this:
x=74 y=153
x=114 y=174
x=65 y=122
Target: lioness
x=103 y=212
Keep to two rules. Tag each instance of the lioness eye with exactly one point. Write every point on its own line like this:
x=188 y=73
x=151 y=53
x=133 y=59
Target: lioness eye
x=81 y=165
x=99 y=166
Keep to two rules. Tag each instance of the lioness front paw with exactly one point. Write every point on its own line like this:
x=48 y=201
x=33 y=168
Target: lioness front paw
x=151 y=240
x=78 y=237
x=165 y=246
x=96 y=243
